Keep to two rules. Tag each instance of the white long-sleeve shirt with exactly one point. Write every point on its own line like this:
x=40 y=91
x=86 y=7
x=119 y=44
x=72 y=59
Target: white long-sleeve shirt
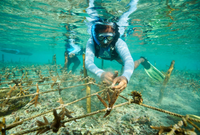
x=120 y=47
x=123 y=51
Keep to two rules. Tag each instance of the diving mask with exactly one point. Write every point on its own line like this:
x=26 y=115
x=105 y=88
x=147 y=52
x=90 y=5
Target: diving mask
x=107 y=36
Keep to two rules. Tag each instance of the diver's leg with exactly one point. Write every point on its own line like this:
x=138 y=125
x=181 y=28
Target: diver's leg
x=76 y=63
x=66 y=60
x=70 y=60
x=138 y=62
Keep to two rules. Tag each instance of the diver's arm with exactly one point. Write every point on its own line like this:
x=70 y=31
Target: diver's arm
x=124 y=53
x=89 y=59
x=76 y=50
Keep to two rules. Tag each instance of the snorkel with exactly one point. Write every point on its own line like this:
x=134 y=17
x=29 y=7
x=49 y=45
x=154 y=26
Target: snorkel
x=94 y=35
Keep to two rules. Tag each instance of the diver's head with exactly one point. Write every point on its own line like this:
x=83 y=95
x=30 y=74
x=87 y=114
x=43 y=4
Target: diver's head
x=104 y=33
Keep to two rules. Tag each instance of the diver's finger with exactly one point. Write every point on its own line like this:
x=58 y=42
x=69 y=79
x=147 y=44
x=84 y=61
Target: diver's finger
x=114 y=82
x=121 y=90
x=107 y=81
x=120 y=85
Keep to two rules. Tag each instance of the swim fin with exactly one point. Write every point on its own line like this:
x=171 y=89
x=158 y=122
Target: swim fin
x=194 y=116
x=152 y=71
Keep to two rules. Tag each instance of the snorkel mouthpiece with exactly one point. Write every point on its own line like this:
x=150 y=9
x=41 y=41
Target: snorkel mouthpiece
x=105 y=41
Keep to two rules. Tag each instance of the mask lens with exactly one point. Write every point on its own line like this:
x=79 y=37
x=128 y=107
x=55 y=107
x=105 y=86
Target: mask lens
x=100 y=38
x=108 y=36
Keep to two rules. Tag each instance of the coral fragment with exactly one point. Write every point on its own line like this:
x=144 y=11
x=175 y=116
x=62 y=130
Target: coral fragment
x=35 y=99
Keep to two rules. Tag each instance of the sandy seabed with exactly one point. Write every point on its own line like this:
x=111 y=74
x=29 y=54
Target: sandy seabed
x=181 y=95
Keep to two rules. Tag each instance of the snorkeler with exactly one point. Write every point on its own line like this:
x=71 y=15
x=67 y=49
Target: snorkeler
x=71 y=53
x=72 y=50
x=105 y=43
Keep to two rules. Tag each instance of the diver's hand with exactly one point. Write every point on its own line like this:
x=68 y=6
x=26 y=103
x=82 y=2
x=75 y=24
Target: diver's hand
x=71 y=55
x=122 y=83
x=107 y=77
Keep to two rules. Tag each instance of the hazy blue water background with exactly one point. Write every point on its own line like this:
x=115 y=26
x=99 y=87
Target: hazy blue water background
x=165 y=30
x=172 y=29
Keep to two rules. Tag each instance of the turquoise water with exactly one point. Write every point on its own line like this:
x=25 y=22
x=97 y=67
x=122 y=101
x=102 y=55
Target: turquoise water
x=164 y=30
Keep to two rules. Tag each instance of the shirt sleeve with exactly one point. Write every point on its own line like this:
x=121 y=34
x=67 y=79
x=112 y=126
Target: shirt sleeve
x=124 y=53
x=76 y=49
x=89 y=59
